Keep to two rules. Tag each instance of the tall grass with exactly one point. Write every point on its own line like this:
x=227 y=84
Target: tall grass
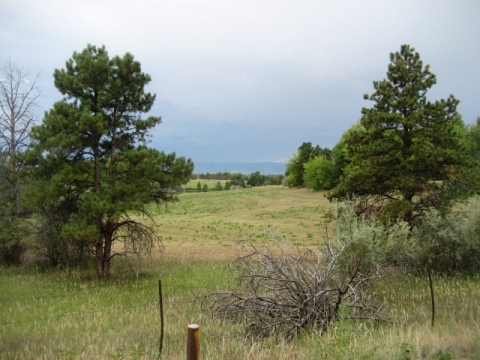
x=70 y=315
x=67 y=315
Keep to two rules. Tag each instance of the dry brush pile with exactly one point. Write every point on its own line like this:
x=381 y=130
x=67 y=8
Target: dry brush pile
x=283 y=289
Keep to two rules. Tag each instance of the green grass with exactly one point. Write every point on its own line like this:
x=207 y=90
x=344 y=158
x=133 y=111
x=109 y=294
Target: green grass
x=211 y=184
x=70 y=315
x=204 y=224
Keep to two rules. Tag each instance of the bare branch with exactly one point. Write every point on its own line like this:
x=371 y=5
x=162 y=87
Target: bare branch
x=283 y=289
x=19 y=96
x=138 y=238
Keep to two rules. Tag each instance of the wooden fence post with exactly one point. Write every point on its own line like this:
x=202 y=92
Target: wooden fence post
x=162 y=322
x=193 y=342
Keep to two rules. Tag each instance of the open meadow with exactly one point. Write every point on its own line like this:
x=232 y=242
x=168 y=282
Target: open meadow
x=68 y=314
x=208 y=225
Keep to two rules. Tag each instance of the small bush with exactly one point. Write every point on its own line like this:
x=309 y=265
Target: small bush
x=450 y=242
x=12 y=246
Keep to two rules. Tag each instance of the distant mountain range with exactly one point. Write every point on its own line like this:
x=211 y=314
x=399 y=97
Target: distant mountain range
x=265 y=168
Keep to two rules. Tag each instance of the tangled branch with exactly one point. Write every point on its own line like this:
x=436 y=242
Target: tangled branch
x=137 y=237
x=284 y=289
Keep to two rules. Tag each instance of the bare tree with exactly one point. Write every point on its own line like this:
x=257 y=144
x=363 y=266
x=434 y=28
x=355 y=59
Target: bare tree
x=19 y=94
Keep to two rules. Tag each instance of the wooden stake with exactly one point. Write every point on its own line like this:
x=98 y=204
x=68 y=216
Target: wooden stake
x=193 y=342
x=432 y=297
x=161 y=315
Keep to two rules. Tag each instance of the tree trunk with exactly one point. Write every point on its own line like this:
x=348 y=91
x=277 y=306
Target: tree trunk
x=432 y=295
x=99 y=250
x=408 y=196
x=12 y=154
x=110 y=228
x=99 y=257
x=104 y=250
x=104 y=255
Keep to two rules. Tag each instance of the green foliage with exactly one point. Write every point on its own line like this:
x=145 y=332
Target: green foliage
x=320 y=174
x=442 y=355
x=472 y=139
x=88 y=154
x=274 y=179
x=13 y=228
x=12 y=240
x=373 y=243
x=405 y=148
x=472 y=145
x=341 y=156
x=450 y=242
x=295 y=166
x=256 y=179
x=237 y=180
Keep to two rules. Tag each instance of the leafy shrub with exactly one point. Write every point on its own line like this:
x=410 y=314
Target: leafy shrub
x=450 y=242
x=12 y=245
x=320 y=174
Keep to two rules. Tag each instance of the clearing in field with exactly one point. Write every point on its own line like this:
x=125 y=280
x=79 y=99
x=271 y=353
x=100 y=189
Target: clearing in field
x=207 y=225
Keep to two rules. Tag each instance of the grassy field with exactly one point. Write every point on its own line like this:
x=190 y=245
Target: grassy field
x=70 y=315
x=211 y=184
x=207 y=226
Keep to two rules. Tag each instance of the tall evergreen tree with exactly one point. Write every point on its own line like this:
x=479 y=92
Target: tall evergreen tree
x=404 y=152
x=90 y=157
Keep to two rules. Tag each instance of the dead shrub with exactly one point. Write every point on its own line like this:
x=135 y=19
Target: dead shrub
x=283 y=289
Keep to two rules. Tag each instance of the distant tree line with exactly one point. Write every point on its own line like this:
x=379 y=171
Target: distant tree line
x=241 y=180
x=213 y=176
x=313 y=167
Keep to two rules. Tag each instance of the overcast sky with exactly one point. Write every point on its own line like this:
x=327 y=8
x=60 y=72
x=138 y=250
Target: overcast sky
x=252 y=80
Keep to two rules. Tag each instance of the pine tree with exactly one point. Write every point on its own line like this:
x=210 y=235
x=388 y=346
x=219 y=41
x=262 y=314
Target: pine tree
x=90 y=155
x=405 y=150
